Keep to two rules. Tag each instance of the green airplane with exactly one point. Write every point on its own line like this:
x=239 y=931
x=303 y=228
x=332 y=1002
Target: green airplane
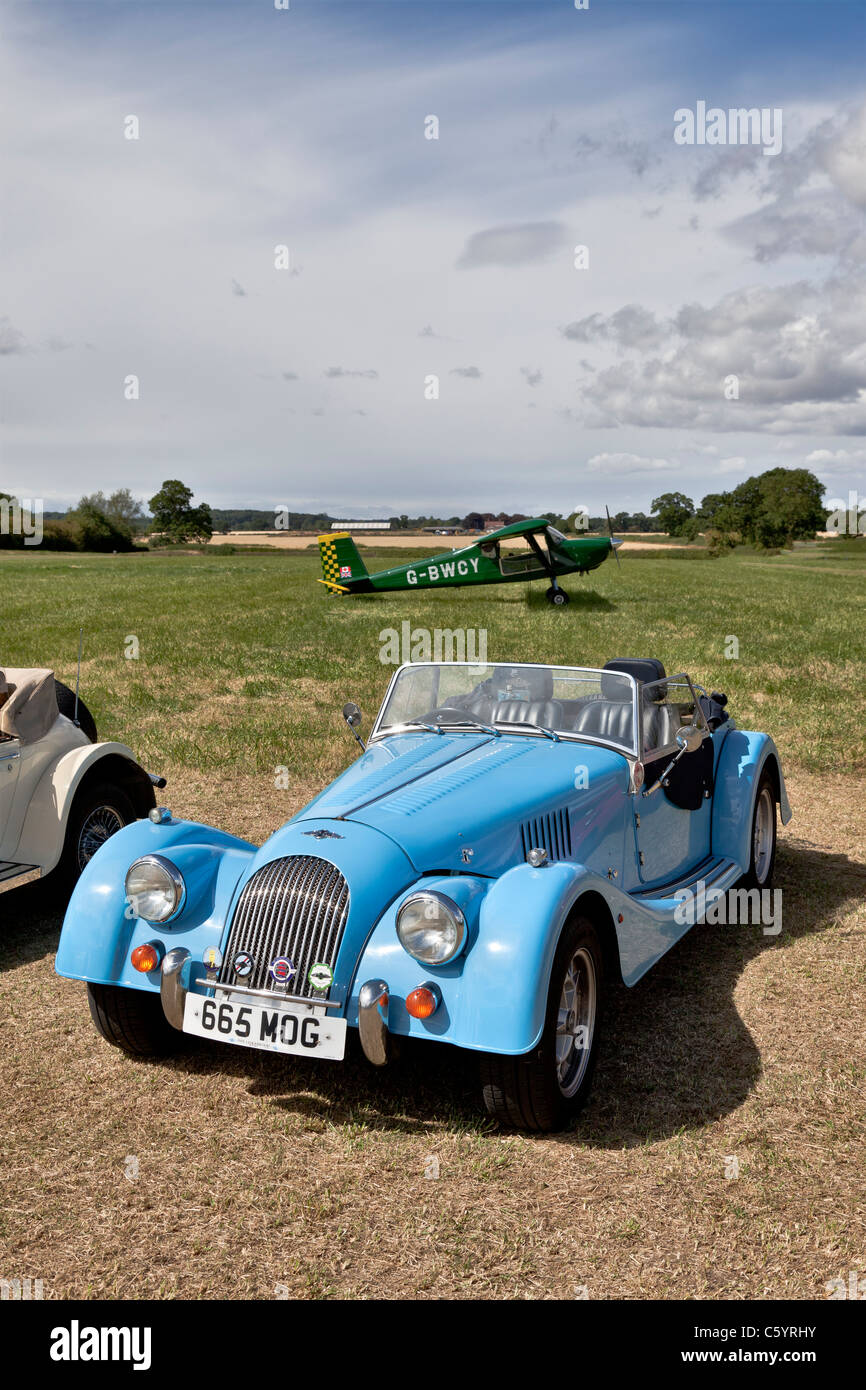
x=546 y=553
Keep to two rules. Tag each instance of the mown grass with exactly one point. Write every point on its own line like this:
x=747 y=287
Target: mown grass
x=244 y=661
x=262 y=1177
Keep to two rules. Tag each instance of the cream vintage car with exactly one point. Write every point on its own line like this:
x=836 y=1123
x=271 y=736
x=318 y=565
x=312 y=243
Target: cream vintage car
x=62 y=793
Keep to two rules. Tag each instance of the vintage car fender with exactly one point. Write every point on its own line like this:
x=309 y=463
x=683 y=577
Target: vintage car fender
x=741 y=762
x=494 y=995
x=99 y=930
x=44 y=826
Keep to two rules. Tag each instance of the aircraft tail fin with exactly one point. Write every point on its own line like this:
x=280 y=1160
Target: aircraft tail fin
x=340 y=560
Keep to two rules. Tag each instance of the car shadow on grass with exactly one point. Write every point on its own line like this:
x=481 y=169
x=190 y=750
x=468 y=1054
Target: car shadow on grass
x=674 y=1052
x=30 y=922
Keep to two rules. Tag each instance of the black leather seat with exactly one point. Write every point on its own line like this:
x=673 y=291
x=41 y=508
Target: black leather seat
x=607 y=719
x=612 y=716
x=643 y=668
x=547 y=713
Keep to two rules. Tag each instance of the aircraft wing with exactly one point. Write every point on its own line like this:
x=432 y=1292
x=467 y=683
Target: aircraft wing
x=530 y=527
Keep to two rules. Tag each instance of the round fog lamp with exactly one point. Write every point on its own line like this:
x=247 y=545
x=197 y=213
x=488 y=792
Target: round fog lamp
x=145 y=958
x=422 y=1002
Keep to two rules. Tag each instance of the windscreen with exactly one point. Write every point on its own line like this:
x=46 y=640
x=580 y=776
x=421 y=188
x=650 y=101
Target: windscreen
x=577 y=702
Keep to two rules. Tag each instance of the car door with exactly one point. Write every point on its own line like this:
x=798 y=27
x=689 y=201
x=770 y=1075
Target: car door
x=10 y=763
x=673 y=822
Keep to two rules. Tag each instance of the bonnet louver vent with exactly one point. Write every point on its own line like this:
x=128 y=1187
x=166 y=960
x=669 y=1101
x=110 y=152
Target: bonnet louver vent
x=551 y=832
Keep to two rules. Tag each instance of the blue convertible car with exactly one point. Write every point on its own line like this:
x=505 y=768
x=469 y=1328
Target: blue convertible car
x=511 y=837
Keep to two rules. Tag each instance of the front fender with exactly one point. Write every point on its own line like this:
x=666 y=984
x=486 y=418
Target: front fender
x=44 y=827
x=742 y=760
x=98 y=934
x=494 y=995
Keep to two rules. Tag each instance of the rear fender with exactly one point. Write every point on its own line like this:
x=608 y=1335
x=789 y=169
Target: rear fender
x=742 y=761
x=44 y=828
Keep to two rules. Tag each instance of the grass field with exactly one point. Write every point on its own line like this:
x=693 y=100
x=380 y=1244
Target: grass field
x=259 y=1175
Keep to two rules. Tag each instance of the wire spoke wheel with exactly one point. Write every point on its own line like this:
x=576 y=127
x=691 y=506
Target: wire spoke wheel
x=101 y=823
x=575 y=1024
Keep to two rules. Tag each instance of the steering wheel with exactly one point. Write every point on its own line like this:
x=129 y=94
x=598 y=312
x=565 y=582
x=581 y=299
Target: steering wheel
x=439 y=710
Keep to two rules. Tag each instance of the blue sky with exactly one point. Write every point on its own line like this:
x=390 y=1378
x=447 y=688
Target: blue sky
x=412 y=258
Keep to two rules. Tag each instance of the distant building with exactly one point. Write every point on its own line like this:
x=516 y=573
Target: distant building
x=361 y=525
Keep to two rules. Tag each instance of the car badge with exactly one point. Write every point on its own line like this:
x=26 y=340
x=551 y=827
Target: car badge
x=324 y=834
x=282 y=969
x=466 y=854
x=243 y=964
x=321 y=976
x=212 y=957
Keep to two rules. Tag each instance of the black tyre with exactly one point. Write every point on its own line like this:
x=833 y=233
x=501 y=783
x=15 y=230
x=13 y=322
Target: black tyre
x=66 y=705
x=558 y=597
x=763 y=839
x=545 y=1089
x=99 y=810
x=133 y=1021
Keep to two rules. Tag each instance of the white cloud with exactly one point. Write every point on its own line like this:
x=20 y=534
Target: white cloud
x=620 y=465
x=519 y=245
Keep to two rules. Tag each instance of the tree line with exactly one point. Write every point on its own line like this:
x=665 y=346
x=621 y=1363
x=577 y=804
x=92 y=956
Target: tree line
x=768 y=511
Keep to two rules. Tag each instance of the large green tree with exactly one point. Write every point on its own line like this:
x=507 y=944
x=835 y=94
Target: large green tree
x=174 y=515
x=675 y=512
x=771 y=510
x=93 y=529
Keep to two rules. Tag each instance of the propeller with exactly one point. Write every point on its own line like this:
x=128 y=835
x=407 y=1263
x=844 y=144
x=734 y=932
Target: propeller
x=614 y=545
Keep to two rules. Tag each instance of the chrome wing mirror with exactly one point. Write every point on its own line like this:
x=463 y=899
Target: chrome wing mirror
x=352 y=716
x=689 y=739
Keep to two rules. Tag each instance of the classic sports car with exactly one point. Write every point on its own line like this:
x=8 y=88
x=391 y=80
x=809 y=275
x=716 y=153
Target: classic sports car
x=511 y=836
x=62 y=794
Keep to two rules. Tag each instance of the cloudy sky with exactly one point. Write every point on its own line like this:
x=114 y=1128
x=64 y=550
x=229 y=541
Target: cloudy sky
x=410 y=258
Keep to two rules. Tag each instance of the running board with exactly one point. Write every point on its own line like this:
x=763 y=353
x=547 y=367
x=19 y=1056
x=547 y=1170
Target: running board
x=713 y=873
x=15 y=875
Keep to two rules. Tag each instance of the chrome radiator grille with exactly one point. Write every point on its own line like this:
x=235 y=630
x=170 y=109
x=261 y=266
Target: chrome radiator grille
x=295 y=907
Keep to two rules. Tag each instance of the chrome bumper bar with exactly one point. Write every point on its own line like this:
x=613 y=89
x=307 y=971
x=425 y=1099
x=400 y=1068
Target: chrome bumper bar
x=372 y=1004
x=173 y=991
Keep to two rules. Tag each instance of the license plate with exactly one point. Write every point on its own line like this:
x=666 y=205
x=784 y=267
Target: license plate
x=281 y=1028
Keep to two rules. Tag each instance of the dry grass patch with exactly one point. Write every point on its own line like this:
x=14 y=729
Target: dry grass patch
x=258 y=1174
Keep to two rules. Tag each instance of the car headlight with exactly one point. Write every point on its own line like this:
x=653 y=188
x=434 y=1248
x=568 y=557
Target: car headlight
x=155 y=888
x=431 y=928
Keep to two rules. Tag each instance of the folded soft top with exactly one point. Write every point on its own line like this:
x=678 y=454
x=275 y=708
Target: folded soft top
x=28 y=703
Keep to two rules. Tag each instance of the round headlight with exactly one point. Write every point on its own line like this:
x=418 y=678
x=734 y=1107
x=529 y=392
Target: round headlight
x=431 y=928
x=155 y=888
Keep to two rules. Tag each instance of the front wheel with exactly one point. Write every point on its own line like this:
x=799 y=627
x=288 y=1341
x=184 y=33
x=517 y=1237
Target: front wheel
x=545 y=1089
x=558 y=597
x=133 y=1021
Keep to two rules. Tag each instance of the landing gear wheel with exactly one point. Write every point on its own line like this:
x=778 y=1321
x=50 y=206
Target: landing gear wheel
x=763 y=860
x=547 y=1088
x=558 y=597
